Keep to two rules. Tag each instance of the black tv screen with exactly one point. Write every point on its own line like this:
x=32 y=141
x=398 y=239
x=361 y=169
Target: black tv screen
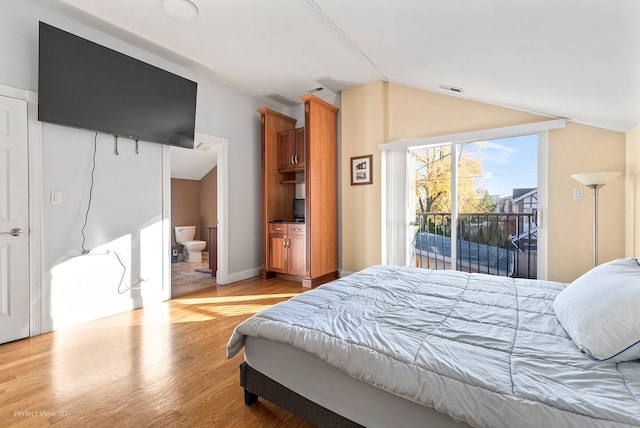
x=86 y=85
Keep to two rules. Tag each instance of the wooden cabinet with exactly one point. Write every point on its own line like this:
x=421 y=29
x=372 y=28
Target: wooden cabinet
x=299 y=158
x=277 y=253
x=287 y=249
x=291 y=156
x=291 y=150
x=297 y=250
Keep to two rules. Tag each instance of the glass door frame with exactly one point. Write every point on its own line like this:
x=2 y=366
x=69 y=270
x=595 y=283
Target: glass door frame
x=540 y=128
x=541 y=211
x=540 y=183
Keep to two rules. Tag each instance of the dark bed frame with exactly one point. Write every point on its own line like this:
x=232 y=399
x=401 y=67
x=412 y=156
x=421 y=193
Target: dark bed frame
x=256 y=385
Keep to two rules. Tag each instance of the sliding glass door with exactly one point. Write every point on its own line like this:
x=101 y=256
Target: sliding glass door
x=476 y=206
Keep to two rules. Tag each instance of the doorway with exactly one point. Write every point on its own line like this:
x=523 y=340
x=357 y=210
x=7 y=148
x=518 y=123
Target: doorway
x=195 y=175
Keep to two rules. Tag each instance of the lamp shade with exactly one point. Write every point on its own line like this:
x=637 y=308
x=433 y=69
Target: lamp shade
x=596 y=178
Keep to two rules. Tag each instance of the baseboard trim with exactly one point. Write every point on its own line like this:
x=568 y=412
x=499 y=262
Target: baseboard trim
x=46 y=325
x=238 y=276
x=308 y=282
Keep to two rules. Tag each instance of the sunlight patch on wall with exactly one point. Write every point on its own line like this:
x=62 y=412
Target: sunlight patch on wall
x=151 y=263
x=86 y=287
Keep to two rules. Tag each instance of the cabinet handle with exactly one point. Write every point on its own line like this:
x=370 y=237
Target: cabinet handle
x=297 y=229
x=296 y=158
x=286 y=242
x=277 y=228
x=292 y=157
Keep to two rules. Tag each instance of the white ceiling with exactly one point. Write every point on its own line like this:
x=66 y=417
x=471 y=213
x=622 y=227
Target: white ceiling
x=193 y=164
x=578 y=59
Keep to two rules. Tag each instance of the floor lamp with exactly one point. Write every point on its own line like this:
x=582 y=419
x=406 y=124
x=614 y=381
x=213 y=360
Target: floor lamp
x=594 y=181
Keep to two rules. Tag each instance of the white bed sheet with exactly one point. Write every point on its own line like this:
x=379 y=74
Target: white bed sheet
x=333 y=389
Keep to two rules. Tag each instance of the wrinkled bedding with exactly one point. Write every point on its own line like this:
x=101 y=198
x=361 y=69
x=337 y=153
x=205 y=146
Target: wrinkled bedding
x=485 y=350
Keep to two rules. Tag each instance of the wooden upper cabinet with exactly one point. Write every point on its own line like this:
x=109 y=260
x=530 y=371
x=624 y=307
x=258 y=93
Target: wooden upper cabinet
x=286 y=149
x=291 y=150
x=300 y=148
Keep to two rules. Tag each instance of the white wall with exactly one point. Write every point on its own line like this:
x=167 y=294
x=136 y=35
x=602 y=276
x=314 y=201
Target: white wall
x=124 y=225
x=128 y=189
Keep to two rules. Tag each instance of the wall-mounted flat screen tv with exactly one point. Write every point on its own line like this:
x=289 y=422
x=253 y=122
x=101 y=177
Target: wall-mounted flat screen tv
x=86 y=85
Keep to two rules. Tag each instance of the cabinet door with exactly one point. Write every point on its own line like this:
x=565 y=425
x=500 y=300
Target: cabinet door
x=277 y=253
x=297 y=250
x=286 y=149
x=300 y=153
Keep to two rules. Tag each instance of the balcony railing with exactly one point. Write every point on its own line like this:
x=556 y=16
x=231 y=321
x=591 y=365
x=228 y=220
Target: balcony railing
x=503 y=244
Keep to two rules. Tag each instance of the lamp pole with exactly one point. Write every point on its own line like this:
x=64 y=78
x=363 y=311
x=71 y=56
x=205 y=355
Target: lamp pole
x=594 y=188
x=594 y=181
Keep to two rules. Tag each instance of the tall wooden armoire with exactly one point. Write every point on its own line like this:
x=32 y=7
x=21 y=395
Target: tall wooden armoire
x=300 y=249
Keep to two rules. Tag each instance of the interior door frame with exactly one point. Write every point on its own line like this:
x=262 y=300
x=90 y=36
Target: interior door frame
x=222 y=145
x=222 y=191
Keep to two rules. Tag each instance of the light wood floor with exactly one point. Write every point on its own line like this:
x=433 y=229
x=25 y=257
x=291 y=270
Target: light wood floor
x=162 y=366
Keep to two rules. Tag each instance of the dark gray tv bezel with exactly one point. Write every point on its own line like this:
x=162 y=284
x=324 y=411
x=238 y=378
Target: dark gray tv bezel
x=186 y=141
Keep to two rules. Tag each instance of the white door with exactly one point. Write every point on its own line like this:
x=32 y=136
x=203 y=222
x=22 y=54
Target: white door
x=14 y=221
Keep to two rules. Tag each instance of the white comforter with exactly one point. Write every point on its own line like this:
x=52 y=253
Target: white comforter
x=486 y=350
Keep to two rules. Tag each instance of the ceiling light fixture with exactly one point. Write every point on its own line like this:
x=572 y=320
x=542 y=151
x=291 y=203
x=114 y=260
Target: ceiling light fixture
x=183 y=10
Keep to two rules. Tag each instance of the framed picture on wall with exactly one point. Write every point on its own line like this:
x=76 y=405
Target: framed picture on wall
x=361 y=170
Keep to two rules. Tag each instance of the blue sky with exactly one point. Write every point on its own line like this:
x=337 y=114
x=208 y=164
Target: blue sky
x=509 y=163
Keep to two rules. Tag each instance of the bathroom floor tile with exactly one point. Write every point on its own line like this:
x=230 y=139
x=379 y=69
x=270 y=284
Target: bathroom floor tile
x=185 y=280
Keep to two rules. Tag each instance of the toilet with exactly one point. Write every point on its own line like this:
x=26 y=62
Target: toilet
x=192 y=249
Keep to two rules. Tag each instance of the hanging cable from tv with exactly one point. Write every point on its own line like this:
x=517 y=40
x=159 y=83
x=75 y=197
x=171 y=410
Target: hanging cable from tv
x=86 y=215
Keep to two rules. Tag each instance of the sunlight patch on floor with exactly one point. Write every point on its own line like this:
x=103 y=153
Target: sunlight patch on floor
x=207 y=308
x=231 y=299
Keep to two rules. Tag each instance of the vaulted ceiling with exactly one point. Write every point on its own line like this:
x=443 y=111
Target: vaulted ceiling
x=578 y=59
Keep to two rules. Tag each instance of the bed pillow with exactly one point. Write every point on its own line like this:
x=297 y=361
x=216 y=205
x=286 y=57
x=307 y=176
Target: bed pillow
x=600 y=311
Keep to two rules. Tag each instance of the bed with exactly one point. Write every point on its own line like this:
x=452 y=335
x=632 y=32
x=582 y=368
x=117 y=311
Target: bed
x=401 y=346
